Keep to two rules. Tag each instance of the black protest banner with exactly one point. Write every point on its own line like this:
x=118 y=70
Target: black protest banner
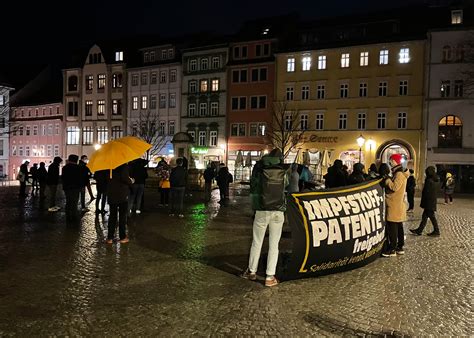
x=336 y=229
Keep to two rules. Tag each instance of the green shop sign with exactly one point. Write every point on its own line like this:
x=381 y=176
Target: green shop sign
x=199 y=150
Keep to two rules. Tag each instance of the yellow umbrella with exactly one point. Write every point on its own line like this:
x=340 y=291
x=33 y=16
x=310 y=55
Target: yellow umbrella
x=117 y=152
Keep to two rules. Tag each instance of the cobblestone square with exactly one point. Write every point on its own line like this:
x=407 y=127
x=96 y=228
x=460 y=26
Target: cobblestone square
x=179 y=277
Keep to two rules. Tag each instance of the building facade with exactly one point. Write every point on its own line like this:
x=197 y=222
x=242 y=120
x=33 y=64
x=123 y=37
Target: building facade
x=204 y=99
x=251 y=79
x=154 y=97
x=5 y=130
x=370 y=90
x=95 y=98
x=449 y=107
x=37 y=135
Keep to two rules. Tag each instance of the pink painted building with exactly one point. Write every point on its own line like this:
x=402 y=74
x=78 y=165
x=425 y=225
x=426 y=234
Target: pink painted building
x=36 y=135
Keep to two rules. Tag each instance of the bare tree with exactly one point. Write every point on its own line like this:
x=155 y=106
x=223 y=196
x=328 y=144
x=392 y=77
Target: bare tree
x=148 y=128
x=285 y=132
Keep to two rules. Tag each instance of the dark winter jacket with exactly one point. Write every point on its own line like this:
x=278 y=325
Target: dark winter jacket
x=335 y=176
x=85 y=173
x=430 y=189
x=178 y=177
x=71 y=177
x=411 y=183
x=101 y=179
x=357 y=175
x=209 y=175
x=224 y=178
x=138 y=172
x=53 y=174
x=118 y=188
x=42 y=174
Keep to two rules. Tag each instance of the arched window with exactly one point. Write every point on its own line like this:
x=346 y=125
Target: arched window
x=447 y=53
x=450 y=132
x=72 y=83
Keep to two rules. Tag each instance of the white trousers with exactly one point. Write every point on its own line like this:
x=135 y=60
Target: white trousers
x=274 y=221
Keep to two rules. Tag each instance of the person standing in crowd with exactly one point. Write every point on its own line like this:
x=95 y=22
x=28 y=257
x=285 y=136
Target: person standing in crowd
x=178 y=178
x=163 y=173
x=357 y=175
x=72 y=185
x=209 y=175
x=85 y=182
x=139 y=173
x=223 y=179
x=267 y=189
x=411 y=184
x=373 y=173
x=306 y=178
x=448 y=188
x=335 y=176
x=384 y=170
x=23 y=178
x=428 y=203
x=42 y=176
x=395 y=206
x=101 y=178
x=293 y=185
x=118 y=189
x=34 y=178
x=52 y=181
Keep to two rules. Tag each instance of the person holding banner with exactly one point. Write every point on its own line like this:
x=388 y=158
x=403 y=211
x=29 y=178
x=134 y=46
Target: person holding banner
x=395 y=204
x=267 y=189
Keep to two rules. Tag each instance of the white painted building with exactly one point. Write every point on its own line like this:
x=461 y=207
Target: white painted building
x=204 y=92
x=449 y=105
x=4 y=130
x=95 y=100
x=154 y=94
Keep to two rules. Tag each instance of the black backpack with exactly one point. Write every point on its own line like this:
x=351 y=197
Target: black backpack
x=273 y=183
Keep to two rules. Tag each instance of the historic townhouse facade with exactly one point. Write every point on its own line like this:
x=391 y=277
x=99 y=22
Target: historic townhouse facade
x=250 y=77
x=204 y=94
x=449 y=107
x=154 y=94
x=95 y=98
x=5 y=130
x=38 y=134
x=348 y=90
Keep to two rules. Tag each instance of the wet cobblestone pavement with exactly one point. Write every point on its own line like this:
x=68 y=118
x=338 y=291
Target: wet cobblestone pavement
x=178 y=277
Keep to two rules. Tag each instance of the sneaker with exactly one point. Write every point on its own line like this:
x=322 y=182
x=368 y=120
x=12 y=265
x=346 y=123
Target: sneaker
x=181 y=216
x=171 y=215
x=415 y=232
x=391 y=253
x=52 y=209
x=249 y=275
x=138 y=212
x=399 y=251
x=434 y=234
x=109 y=241
x=125 y=240
x=271 y=281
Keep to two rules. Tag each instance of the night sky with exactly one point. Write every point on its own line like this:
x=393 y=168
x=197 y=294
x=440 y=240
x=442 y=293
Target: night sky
x=36 y=34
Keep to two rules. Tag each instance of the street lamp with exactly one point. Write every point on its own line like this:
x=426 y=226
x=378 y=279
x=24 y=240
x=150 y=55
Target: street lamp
x=360 y=143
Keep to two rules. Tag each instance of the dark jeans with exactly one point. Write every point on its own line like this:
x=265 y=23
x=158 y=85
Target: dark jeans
x=101 y=200
x=424 y=219
x=122 y=210
x=52 y=195
x=135 y=197
x=83 y=197
x=411 y=199
x=22 y=188
x=72 y=198
x=42 y=188
x=207 y=191
x=224 y=192
x=448 y=198
x=396 y=235
x=176 y=199
x=164 y=196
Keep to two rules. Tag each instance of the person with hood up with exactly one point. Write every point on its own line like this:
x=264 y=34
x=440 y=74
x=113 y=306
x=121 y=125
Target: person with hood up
x=411 y=184
x=373 y=172
x=428 y=203
x=42 y=175
x=223 y=179
x=448 y=188
x=52 y=182
x=395 y=206
x=357 y=175
x=335 y=176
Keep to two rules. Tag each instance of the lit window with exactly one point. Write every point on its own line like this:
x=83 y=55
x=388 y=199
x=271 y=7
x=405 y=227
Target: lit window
x=144 y=104
x=404 y=55
x=364 y=59
x=117 y=107
x=204 y=86
x=102 y=135
x=450 y=132
x=215 y=85
x=119 y=56
x=117 y=80
x=383 y=57
x=456 y=17
x=89 y=82
x=306 y=63
x=101 y=81
x=117 y=132
x=402 y=120
x=101 y=107
x=345 y=60
x=290 y=65
x=89 y=105
x=135 y=102
x=322 y=62
x=72 y=135
x=87 y=135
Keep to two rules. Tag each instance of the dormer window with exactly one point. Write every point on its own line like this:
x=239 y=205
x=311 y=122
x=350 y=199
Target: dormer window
x=152 y=56
x=164 y=54
x=456 y=17
x=119 y=56
x=170 y=53
x=146 y=57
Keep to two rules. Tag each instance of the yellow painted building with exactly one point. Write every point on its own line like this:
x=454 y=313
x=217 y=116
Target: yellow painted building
x=371 y=90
